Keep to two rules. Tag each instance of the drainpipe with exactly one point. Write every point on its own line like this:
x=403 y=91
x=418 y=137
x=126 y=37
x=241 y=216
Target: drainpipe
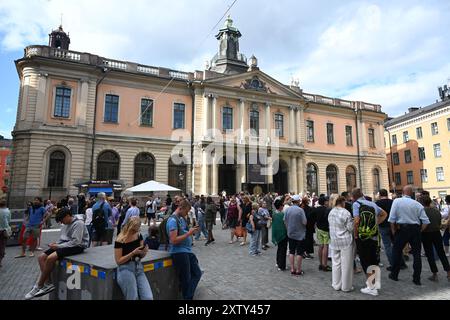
x=357 y=111
x=94 y=131
x=190 y=86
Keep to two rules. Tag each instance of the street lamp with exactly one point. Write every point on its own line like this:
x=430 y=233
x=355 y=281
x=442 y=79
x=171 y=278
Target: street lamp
x=51 y=177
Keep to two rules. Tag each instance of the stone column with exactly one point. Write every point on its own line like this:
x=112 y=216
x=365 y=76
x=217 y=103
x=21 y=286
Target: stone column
x=240 y=171
x=206 y=102
x=82 y=106
x=268 y=121
x=214 y=116
x=241 y=120
x=300 y=175
x=293 y=175
x=204 y=187
x=40 y=115
x=292 y=137
x=298 y=126
x=215 y=174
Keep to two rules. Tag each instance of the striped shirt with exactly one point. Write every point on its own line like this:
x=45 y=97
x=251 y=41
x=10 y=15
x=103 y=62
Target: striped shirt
x=341 y=228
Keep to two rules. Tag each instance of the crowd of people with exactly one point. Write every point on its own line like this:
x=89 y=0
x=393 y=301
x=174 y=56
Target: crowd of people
x=346 y=228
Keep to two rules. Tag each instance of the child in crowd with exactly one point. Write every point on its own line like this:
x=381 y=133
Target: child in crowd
x=152 y=241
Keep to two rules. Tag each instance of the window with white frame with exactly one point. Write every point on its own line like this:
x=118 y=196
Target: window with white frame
x=423 y=175
x=147 y=112
x=440 y=174
x=405 y=137
x=437 y=150
x=279 y=125
x=434 y=128
x=62 y=102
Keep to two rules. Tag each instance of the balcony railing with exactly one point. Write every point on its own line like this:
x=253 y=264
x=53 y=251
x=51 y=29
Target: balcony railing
x=342 y=103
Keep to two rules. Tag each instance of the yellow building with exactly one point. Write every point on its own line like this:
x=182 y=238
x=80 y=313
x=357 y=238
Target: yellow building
x=418 y=148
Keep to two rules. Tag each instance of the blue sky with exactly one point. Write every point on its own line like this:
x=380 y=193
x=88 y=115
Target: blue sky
x=395 y=53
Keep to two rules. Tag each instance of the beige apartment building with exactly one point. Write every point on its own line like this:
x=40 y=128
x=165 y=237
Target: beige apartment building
x=84 y=119
x=418 y=148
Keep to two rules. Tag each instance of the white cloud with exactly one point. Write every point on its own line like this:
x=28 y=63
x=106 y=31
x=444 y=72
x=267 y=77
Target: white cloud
x=361 y=50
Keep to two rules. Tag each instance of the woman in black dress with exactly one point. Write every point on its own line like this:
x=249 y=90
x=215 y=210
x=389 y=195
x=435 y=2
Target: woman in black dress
x=246 y=212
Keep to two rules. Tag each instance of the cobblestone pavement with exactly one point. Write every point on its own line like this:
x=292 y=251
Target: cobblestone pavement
x=231 y=274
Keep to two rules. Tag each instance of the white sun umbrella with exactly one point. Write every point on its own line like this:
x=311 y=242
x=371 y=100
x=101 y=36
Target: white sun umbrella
x=151 y=186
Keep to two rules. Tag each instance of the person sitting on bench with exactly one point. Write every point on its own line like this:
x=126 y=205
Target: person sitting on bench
x=73 y=240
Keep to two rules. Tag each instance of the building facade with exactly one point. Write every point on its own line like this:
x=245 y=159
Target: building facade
x=84 y=117
x=418 y=148
x=5 y=163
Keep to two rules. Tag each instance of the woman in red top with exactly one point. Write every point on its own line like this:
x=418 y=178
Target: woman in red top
x=234 y=217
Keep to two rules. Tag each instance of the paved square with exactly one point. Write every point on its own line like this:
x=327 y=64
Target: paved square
x=231 y=274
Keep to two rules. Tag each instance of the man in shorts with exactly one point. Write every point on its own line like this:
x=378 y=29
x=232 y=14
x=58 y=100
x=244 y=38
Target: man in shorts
x=73 y=240
x=150 y=210
x=295 y=221
x=323 y=232
x=36 y=214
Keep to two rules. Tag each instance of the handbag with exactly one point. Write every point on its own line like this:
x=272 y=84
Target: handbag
x=8 y=232
x=239 y=232
x=269 y=223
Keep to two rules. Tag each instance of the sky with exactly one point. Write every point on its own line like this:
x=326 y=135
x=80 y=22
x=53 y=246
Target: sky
x=393 y=53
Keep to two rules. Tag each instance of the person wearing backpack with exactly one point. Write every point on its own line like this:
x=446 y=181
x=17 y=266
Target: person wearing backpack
x=180 y=247
x=408 y=219
x=367 y=216
x=101 y=211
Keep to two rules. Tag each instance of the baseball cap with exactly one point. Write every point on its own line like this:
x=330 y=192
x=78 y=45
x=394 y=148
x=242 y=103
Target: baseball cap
x=295 y=197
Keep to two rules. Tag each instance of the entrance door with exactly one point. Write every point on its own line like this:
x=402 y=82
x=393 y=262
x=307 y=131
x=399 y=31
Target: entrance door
x=227 y=178
x=280 y=179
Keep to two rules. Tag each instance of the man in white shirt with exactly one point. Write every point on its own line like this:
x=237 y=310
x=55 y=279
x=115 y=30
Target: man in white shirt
x=150 y=211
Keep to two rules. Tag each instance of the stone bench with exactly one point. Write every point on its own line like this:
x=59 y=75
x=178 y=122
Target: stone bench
x=96 y=276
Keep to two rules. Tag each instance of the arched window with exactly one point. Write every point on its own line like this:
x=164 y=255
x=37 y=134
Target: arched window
x=56 y=169
x=108 y=163
x=376 y=180
x=350 y=177
x=144 y=168
x=332 y=179
x=177 y=175
x=311 y=178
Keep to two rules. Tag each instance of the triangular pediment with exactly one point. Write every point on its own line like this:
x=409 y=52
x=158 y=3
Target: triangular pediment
x=256 y=81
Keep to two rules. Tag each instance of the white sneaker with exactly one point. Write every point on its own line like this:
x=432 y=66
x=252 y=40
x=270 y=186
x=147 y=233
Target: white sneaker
x=30 y=295
x=46 y=289
x=373 y=292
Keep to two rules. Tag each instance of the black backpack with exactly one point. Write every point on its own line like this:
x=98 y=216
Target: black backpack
x=368 y=226
x=99 y=222
x=164 y=237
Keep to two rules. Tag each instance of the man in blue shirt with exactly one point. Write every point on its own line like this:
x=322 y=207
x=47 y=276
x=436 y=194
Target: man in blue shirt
x=180 y=247
x=367 y=248
x=101 y=237
x=408 y=219
x=33 y=228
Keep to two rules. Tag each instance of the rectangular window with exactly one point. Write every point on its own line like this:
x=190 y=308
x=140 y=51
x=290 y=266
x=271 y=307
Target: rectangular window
x=111 y=108
x=309 y=131
x=254 y=122
x=405 y=137
x=396 y=159
x=330 y=133
x=421 y=153
x=178 y=116
x=434 y=128
x=62 y=103
x=394 y=139
x=279 y=125
x=349 y=135
x=407 y=156
x=440 y=174
x=419 y=133
x=398 y=178
x=147 y=112
x=437 y=150
x=448 y=124
x=371 y=138
x=409 y=177
x=227 y=118
x=423 y=175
